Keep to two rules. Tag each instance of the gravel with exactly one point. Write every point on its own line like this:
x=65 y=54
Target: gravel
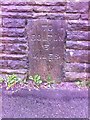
x=39 y=104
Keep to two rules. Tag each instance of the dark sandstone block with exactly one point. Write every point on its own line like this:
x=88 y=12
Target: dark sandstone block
x=33 y=8
x=13 y=23
x=51 y=2
x=74 y=7
x=34 y=2
x=55 y=16
x=17 y=64
x=79 y=56
x=71 y=76
x=13 y=40
x=78 y=25
x=78 y=35
x=11 y=71
x=77 y=67
x=80 y=45
x=34 y=15
x=17 y=15
x=1 y=48
x=14 y=48
x=13 y=57
x=72 y=16
x=0 y=21
x=13 y=64
x=12 y=32
x=14 y=8
x=49 y=9
x=3 y=63
x=46 y=47
x=85 y=16
x=48 y=15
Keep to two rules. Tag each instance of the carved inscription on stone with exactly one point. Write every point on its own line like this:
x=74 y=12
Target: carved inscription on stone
x=46 y=47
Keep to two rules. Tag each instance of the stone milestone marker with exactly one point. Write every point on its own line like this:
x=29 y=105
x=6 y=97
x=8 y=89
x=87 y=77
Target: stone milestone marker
x=46 y=47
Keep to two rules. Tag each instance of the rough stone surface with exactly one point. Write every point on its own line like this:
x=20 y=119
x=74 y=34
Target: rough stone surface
x=46 y=47
x=13 y=57
x=33 y=9
x=34 y=2
x=70 y=16
x=23 y=15
x=12 y=32
x=79 y=7
x=78 y=25
x=79 y=56
x=13 y=64
x=77 y=67
x=0 y=21
x=11 y=71
x=72 y=76
x=84 y=16
x=16 y=15
x=13 y=40
x=14 y=48
x=78 y=45
x=78 y=35
x=13 y=23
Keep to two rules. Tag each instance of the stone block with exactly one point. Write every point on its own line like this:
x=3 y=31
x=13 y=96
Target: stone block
x=13 y=64
x=77 y=7
x=13 y=23
x=46 y=47
x=79 y=56
x=72 y=76
x=49 y=9
x=1 y=48
x=78 y=45
x=11 y=71
x=36 y=9
x=78 y=35
x=75 y=25
x=14 y=48
x=34 y=2
x=12 y=32
x=13 y=57
x=18 y=15
x=85 y=16
x=77 y=67
x=13 y=40
x=72 y=16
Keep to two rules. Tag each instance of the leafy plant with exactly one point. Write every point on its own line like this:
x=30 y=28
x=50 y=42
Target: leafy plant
x=12 y=80
x=78 y=82
x=36 y=78
x=49 y=80
x=83 y=83
x=88 y=83
x=1 y=80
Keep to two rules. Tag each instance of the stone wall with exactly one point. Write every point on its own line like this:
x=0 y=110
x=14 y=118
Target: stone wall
x=13 y=35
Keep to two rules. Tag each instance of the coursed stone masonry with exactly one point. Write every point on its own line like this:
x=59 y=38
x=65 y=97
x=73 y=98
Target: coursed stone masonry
x=14 y=47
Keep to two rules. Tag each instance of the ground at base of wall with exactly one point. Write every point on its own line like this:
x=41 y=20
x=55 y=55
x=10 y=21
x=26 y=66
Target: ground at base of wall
x=30 y=86
x=46 y=103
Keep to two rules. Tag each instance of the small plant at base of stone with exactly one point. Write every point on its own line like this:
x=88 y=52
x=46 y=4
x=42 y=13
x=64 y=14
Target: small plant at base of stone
x=50 y=80
x=13 y=83
x=12 y=80
x=83 y=83
x=36 y=78
x=1 y=80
